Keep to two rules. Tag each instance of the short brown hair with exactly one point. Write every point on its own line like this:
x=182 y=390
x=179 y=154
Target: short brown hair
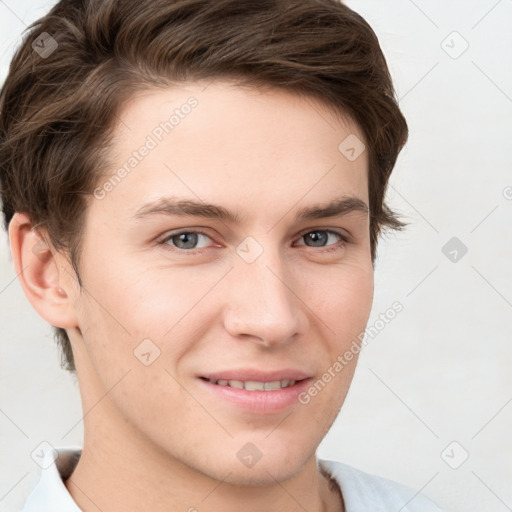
x=58 y=109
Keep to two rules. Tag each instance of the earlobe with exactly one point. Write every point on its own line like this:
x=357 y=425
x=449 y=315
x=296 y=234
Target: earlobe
x=42 y=279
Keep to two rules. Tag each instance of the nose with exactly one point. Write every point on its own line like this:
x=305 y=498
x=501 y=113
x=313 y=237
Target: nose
x=261 y=304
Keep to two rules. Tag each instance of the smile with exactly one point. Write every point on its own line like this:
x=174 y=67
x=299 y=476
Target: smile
x=256 y=396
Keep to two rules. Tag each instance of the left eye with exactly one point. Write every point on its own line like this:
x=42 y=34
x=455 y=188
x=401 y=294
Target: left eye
x=319 y=237
x=187 y=240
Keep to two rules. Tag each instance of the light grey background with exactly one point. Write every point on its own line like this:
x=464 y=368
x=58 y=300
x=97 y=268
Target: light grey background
x=439 y=372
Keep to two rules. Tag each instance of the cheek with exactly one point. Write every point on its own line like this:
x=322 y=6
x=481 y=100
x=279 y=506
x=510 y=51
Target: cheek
x=123 y=306
x=342 y=305
x=342 y=298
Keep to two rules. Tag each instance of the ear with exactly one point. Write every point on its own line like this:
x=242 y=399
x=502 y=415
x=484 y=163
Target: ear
x=45 y=274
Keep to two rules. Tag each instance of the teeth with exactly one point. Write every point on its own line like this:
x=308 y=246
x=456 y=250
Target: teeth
x=271 y=386
x=252 y=385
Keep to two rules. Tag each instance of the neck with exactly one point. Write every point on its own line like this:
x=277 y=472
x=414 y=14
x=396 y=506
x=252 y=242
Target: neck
x=118 y=476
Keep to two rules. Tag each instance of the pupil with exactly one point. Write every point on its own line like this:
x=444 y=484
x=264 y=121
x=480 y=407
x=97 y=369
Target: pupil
x=187 y=240
x=319 y=238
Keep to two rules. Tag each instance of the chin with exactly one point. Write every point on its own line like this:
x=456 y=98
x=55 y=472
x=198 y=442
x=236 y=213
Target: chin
x=272 y=466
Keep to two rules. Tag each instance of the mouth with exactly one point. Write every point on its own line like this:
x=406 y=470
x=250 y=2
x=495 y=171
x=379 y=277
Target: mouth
x=257 y=393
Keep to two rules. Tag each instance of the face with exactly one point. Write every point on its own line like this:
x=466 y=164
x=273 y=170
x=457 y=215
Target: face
x=212 y=278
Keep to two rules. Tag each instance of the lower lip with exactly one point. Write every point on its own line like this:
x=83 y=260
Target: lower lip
x=262 y=402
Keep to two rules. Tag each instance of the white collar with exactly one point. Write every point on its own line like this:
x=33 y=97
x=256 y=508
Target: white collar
x=50 y=494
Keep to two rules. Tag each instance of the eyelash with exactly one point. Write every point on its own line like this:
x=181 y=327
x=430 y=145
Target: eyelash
x=344 y=239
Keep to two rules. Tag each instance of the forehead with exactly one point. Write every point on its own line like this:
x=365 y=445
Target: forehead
x=222 y=143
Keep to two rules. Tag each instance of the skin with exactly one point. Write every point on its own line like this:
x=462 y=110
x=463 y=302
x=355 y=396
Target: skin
x=154 y=439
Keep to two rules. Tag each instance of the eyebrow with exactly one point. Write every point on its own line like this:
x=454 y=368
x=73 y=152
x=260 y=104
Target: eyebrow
x=187 y=207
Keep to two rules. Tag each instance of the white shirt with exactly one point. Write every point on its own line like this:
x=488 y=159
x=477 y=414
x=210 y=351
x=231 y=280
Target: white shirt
x=361 y=491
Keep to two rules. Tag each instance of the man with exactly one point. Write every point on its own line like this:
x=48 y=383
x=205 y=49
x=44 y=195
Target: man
x=193 y=192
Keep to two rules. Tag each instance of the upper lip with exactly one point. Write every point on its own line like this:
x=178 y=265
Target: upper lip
x=245 y=374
